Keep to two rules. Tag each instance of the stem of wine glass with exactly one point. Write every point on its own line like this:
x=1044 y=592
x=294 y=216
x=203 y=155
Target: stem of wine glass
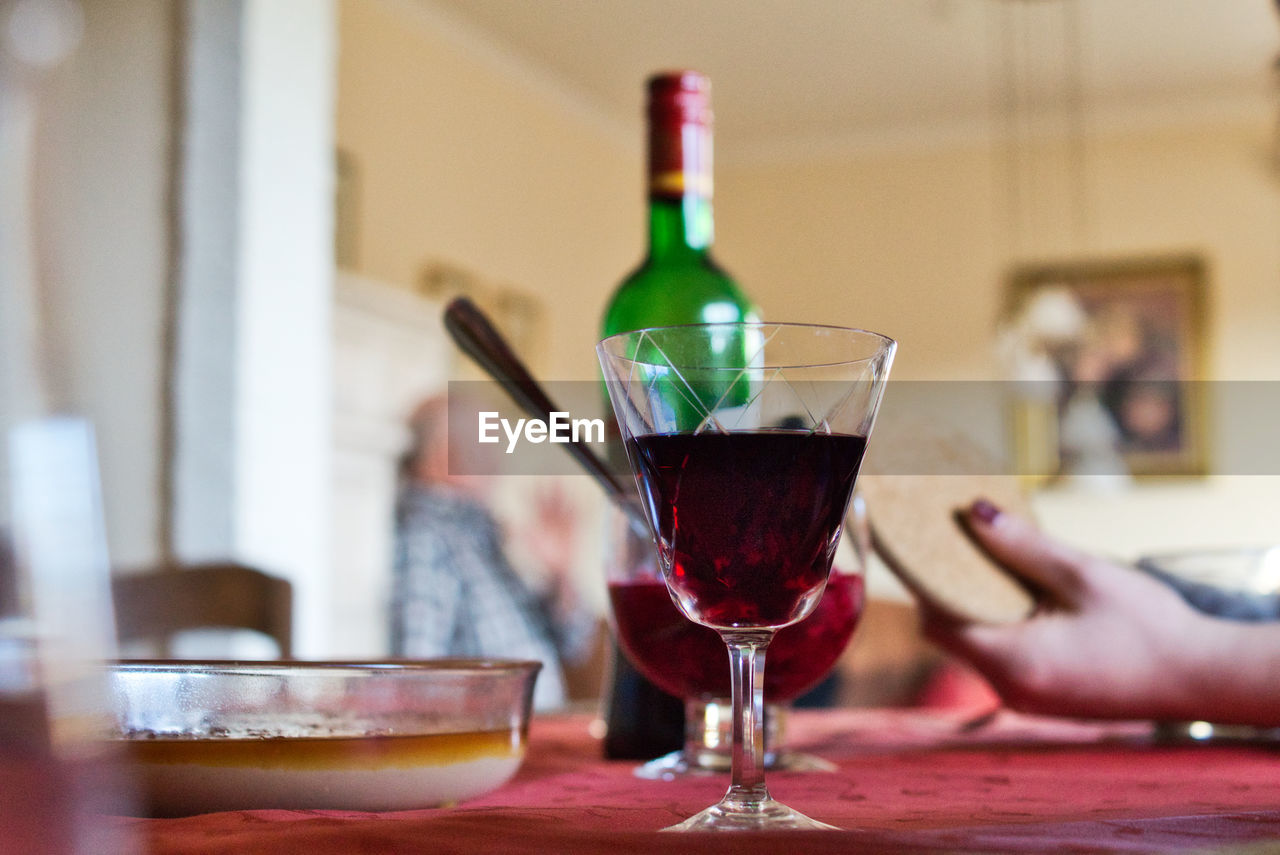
x=746 y=659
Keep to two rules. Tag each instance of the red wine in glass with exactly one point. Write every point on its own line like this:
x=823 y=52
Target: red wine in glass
x=688 y=659
x=747 y=522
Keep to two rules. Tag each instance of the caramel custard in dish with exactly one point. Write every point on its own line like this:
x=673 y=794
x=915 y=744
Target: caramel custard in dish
x=402 y=748
x=180 y=773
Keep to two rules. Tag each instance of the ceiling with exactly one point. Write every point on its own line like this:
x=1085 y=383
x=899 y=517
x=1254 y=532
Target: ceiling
x=796 y=71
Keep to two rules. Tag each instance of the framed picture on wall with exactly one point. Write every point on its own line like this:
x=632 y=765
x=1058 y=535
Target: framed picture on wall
x=1112 y=352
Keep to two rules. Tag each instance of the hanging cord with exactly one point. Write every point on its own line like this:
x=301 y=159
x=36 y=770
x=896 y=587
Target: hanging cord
x=1275 y=77
x=1077 y=154
x=1013 y=67
x=1007 y=150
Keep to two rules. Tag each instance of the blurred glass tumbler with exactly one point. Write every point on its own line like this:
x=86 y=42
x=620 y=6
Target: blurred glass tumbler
x=57 y=778
x=55 y=607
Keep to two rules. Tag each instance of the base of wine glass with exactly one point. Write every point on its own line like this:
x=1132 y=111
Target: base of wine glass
x=767 y=815
x=709 y=740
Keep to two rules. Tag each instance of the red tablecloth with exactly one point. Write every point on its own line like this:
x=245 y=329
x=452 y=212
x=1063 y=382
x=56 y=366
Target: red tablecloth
x=906 y=782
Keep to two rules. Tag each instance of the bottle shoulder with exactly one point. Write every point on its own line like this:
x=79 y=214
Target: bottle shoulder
x=684 y=292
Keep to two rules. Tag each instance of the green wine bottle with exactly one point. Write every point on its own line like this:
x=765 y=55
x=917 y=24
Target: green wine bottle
x=678 y=282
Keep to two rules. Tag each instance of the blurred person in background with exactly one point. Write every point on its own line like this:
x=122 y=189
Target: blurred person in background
x=455 y=591
x=1111 y=641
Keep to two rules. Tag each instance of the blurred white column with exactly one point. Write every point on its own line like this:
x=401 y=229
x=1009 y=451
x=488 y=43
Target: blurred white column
x=252 y=400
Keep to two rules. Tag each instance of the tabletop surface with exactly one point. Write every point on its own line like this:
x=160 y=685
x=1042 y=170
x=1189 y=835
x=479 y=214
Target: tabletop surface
x=906 y=781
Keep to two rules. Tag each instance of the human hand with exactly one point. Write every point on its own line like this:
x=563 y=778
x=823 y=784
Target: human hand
x=1107 y=642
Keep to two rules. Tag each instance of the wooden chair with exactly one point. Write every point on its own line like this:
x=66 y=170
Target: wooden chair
x=152 y=606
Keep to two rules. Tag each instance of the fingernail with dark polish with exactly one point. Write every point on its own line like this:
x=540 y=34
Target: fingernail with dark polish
x=985 y=511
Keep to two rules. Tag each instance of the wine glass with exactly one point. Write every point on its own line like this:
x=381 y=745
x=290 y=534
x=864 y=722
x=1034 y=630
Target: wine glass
x=648 y=625
x=745 y=441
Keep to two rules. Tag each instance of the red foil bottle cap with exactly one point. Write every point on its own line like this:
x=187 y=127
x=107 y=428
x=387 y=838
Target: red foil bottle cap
x=679 y=134
x=687 y=91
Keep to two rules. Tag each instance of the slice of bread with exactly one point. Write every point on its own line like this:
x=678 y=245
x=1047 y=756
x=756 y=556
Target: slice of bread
x=916 y=530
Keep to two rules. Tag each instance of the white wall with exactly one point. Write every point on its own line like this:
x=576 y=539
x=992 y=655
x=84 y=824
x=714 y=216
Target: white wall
x=101 y=237
x=253 y=291
x=465 y=155
x=282 y=501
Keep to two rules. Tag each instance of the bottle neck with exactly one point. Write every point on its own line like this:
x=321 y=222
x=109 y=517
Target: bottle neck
x=680 y=225
x=680 y=182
